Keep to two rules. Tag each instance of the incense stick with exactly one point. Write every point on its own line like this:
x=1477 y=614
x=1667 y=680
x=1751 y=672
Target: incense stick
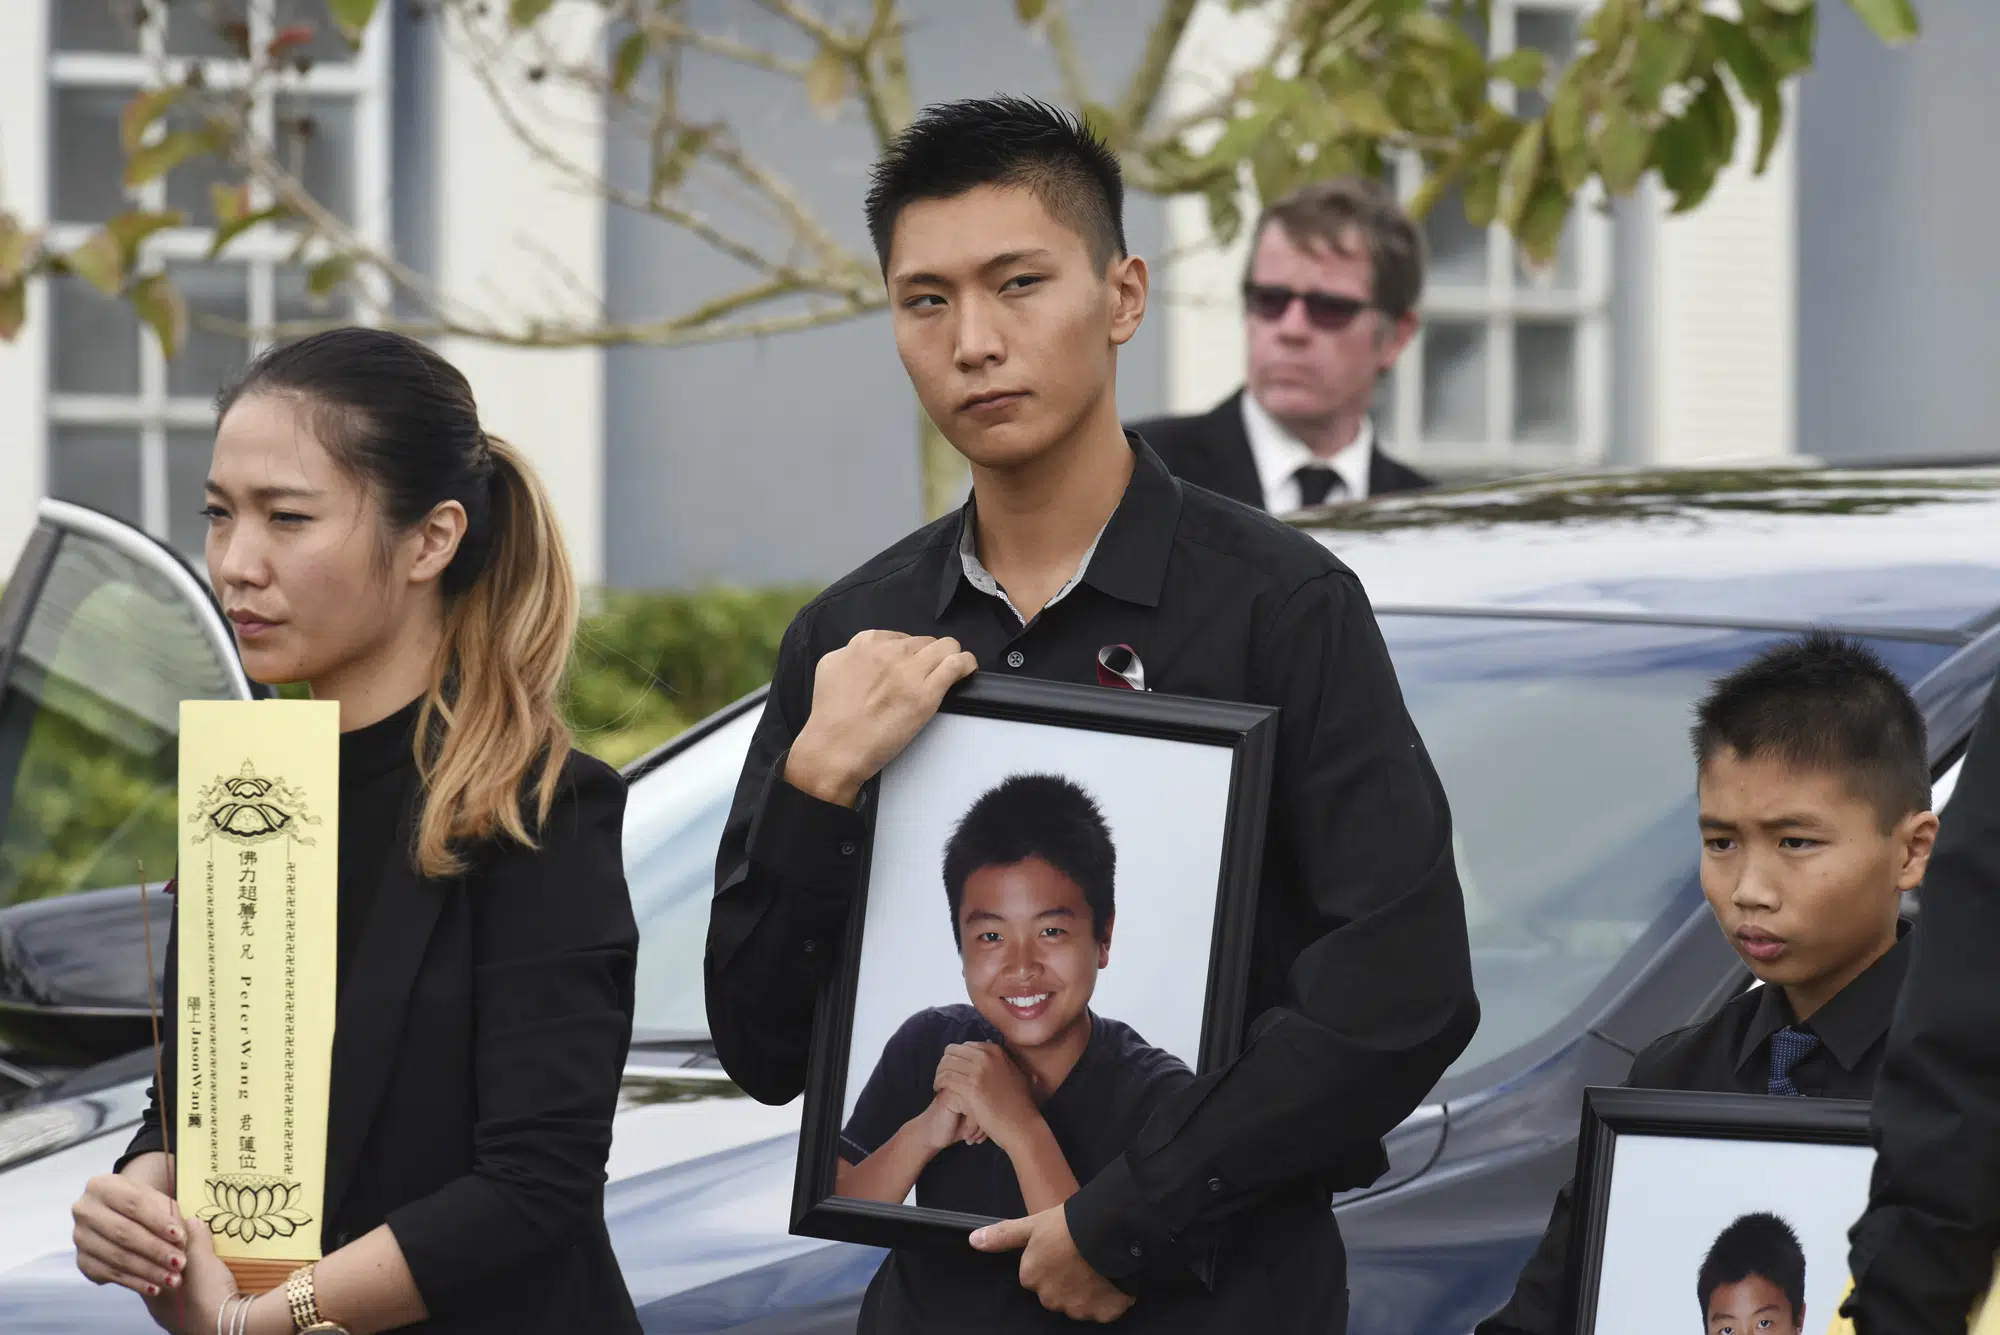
x=159 y=1065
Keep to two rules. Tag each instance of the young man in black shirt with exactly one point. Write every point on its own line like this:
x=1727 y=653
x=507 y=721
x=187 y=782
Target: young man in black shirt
x=1010 y=293
x=1753 y=1279
x=1003 y=1107
x=1815 y=796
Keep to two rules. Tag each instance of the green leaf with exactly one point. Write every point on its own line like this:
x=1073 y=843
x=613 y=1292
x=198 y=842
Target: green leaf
x=1662 y=58
x=1524 y=162
x=625 y=64
x=1364 y=111
x=229 y=202
x=1541 y=229
x=352 y=16
x=826 y=81
x=1894 y=21
x=13 y=309
x=1787 y=42
x=1225 y=213
x=161 y=307
x=1567 y=136
x=1524 y=68
x=141 y=112
x=100 y=261
x=523 y=13
x=1608 y=26
x=1030 y=11
x=18 y=248
x=236 y=227
x=1482 y=194
x=156 y=160
x=1622 y=150
x=129 y=229
x=1274 y=168
x=328 y=274
x=672 y=168
x=1688 y=167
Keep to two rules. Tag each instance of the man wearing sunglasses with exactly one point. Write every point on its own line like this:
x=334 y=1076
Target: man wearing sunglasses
x=1329 y=304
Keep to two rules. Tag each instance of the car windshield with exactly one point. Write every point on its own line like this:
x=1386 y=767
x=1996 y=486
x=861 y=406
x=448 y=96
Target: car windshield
x=1562 y=745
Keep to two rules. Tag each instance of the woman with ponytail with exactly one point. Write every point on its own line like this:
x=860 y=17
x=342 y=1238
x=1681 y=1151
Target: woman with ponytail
x=368 y=538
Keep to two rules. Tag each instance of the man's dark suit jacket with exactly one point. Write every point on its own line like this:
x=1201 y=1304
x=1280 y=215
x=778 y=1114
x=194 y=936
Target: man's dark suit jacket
x=477 y=1052
x=1212 y=450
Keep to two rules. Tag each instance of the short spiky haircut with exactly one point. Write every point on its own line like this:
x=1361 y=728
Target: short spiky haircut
x=1756 y=1244
x=954 y=147
x=1036 y=816
x=1828 y=703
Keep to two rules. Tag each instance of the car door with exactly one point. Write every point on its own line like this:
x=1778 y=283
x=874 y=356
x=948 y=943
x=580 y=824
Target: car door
x=103 y=632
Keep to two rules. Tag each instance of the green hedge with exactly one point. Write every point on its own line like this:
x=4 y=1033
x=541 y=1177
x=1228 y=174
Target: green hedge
x=649 y=664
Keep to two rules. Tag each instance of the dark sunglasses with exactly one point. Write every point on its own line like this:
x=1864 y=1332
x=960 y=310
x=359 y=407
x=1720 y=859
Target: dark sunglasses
x=1324 y=310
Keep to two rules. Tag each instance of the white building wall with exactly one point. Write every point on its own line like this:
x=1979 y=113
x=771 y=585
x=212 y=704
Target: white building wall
x=1724 y=315
x=24 y=146
x=504 y=218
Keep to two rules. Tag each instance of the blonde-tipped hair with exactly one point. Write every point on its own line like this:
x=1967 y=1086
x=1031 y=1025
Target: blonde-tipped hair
x=493 y=705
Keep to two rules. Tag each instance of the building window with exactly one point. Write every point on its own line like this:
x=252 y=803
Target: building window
x=129 y=431
x=1511 y=368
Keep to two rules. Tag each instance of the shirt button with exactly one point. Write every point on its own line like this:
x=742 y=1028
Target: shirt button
x=847 y=849
x=1016 y=658
x=1137 y=1250
x=811 y=946
x=1215 y=1184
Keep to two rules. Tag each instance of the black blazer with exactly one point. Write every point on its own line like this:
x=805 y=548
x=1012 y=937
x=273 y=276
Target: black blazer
x=1212 y=450
x=477 y=1055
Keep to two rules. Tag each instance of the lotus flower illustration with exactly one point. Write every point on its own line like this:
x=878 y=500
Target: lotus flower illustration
x=250 y=1207
x=249 y=808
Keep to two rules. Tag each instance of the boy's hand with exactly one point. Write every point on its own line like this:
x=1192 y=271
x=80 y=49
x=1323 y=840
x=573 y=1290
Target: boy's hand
x=992 y=1087
x=869 y=700
x=945 y=1123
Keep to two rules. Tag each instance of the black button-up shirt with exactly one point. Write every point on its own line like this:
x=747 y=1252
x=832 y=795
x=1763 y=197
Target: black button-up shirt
x=1924 y=1252
x=1729 y=1053
x=1361 y=980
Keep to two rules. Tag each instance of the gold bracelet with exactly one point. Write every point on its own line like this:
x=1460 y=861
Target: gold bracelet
x=299 y=1296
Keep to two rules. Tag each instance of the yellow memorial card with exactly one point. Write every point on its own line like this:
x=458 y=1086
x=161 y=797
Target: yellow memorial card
x=259 y=797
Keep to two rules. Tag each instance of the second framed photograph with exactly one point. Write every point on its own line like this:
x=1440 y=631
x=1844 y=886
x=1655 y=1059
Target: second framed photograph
x=1714 y=1212
x=1052 y=938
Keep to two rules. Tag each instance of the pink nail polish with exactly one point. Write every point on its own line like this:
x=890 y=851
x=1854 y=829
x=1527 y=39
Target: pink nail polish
x=152 y=1290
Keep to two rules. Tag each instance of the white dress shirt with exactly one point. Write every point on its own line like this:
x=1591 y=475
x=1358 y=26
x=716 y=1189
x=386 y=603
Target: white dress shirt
x=1279 y=455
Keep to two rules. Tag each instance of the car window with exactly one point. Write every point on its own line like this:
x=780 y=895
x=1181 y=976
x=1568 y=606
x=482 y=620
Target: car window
x=89 y=715
x=673 y=828
x=1561 y=744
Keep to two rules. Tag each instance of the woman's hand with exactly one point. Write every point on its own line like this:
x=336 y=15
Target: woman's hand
x=992 y=1089
x=130 y=1232
x=209 y=1282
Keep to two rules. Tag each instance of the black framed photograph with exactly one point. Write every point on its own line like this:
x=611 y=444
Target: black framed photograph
x=1714 y=1212
x=1051 y=939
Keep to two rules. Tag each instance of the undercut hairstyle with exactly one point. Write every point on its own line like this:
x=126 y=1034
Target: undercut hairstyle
x=1823 y=702
x=1354 y=215
x=1036 y=816
x=1017 y=142
x=1756 y=1244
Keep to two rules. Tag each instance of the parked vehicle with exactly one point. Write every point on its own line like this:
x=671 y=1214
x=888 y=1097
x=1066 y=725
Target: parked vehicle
x=1549 y=636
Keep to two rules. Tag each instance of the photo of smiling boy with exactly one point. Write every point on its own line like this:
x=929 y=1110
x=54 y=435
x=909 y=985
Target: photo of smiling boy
x=1753 y=1280
x=1008 y=1104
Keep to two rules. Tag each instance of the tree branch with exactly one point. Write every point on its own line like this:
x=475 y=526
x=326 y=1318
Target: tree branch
x=1143 y=92
x=1069 y=60
x=666 y=31
x=885 y=95
x=811 y=24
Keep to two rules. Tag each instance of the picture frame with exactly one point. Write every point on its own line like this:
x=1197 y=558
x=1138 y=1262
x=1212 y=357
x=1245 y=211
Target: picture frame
x=1124 y=739
x=1664 y=1179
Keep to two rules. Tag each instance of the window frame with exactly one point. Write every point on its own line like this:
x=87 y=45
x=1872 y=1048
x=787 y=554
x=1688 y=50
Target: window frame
x=261 y=251
x=1507 y=300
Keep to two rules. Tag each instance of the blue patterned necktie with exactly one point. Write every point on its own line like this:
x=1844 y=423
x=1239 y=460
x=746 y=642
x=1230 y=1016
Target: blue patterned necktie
x=1789 y=1047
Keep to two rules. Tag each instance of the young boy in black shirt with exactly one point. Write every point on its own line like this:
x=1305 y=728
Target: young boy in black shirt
x=1815 y=796
x=1005 y=1106
x=1753 y=1279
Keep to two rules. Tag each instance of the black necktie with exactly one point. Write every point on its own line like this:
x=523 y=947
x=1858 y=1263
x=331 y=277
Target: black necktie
x=1316 y=483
